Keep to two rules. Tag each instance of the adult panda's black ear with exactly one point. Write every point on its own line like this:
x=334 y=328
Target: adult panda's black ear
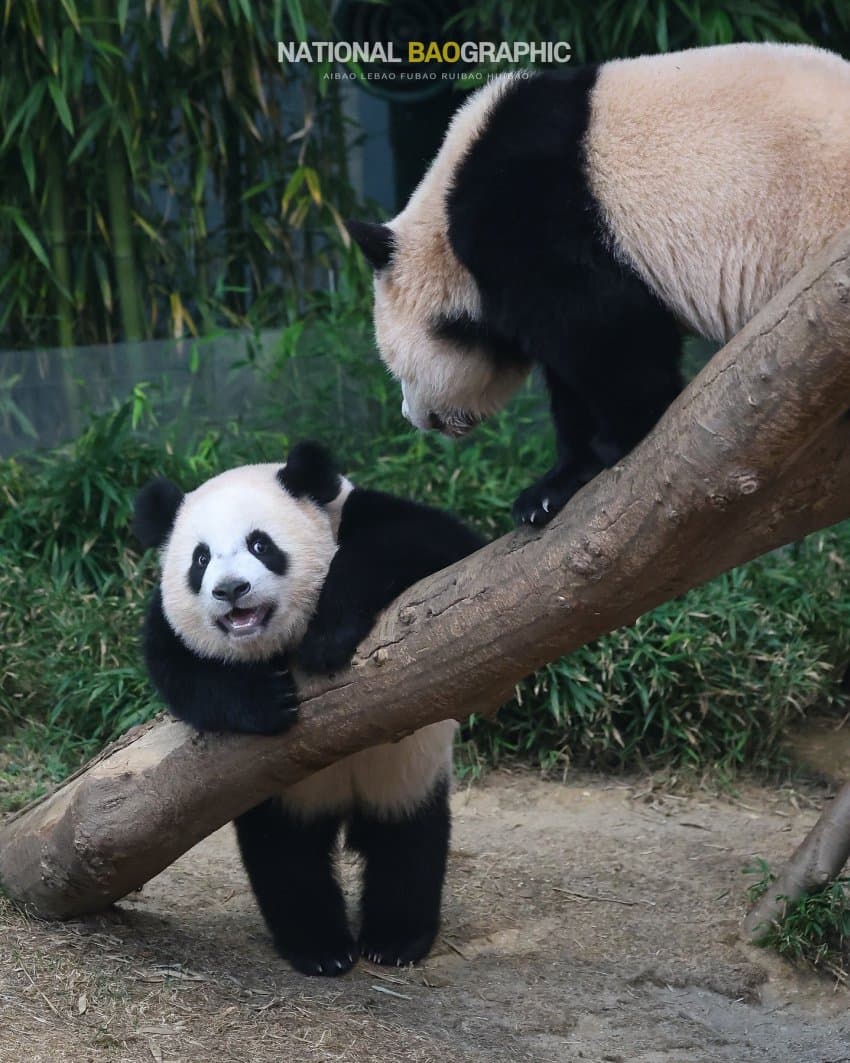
x=154 y=511
x=310 y=472
x=377 y=242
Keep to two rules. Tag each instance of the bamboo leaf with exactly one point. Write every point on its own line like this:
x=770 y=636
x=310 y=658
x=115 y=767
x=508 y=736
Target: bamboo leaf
x=313 y=185
x=61 y=104
x=123 y=6
x=23 y=228
x=71 y=11
x=166 y=22
x=25 y=112
x=103 y=281
x=296 y=17
x=340 y=225
x=147 y=228
x=197 y=24
x=294 y=183
x=28 y=162
x=662 y=39
x=255 y=190
x=94 y=126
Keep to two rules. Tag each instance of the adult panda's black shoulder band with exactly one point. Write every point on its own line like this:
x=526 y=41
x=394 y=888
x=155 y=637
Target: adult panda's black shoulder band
x=520 y=207
x=310 y=472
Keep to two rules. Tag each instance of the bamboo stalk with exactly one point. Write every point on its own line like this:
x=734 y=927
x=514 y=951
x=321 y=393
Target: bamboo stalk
x=57 y=234
x=118 y=197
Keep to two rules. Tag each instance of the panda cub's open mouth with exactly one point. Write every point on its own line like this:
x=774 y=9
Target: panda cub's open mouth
x=240 y=623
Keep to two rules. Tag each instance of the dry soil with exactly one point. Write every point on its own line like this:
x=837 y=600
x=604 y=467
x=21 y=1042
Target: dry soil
x=592 y=921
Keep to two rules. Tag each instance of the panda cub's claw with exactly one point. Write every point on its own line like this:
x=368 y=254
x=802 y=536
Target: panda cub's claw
x=401 y=952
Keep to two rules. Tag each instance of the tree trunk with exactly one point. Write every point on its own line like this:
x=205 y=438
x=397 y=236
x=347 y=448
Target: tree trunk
x=755 y=453
x=815 y=862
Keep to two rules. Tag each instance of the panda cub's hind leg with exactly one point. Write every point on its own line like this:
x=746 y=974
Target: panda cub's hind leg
x=290 y=861
x=405 y=865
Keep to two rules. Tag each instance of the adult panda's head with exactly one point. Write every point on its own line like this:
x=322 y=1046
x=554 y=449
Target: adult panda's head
x=454 y=366
x=245 y=555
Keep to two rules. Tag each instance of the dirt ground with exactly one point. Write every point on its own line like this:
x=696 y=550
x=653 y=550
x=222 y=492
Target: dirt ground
x=592 y=921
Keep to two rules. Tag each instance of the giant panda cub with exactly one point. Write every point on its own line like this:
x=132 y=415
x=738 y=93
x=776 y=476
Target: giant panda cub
x=580 y=221
x=267 y=563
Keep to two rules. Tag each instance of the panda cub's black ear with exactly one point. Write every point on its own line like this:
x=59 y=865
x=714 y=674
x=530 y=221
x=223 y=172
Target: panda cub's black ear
x=310 y=470
x=154 y=511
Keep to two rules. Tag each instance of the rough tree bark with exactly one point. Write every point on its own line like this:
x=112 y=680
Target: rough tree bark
x=755 y=453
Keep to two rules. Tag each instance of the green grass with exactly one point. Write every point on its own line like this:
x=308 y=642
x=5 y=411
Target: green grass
x=815 y=932
x=709 y=682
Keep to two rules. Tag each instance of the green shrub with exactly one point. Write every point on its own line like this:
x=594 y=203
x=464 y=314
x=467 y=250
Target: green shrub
x=712 y=678
x=815 y=931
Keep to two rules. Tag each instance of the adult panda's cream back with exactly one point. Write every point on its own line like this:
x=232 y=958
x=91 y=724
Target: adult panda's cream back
x=721 y=170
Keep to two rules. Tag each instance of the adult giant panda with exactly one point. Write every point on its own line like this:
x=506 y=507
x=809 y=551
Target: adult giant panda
x=579 y=220
x=269 y=561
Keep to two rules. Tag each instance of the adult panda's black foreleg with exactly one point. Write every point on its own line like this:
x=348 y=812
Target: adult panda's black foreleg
x=290 y=863
x=611 y=360
x=405 y=858
x=577 y=459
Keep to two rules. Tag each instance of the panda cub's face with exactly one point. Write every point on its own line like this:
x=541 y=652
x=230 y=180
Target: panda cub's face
x=244 y=564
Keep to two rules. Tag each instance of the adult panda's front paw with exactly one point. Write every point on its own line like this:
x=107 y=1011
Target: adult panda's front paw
x=539 y=503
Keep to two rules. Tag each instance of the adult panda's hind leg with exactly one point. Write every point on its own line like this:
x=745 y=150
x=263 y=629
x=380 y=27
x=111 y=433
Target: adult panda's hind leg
x=290 y=862
x=405 y=866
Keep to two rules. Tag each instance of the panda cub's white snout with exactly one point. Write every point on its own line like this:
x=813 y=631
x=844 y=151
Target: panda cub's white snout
x=242 y=617
x=238 y=601
x=231 y=590
x=239 y=604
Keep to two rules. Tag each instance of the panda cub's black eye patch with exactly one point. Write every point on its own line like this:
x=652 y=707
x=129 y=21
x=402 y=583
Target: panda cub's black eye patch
x=265 y=549
x=200 y=560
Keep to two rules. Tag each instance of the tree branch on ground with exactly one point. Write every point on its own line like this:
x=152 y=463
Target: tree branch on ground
x=755 y=453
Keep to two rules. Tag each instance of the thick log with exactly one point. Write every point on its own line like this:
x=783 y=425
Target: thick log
x=755 y=453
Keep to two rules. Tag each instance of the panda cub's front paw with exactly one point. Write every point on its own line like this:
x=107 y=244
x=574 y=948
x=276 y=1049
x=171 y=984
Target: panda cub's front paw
x=329 y=961
x=273 y=707
x=322 y=652
x=398 y=949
